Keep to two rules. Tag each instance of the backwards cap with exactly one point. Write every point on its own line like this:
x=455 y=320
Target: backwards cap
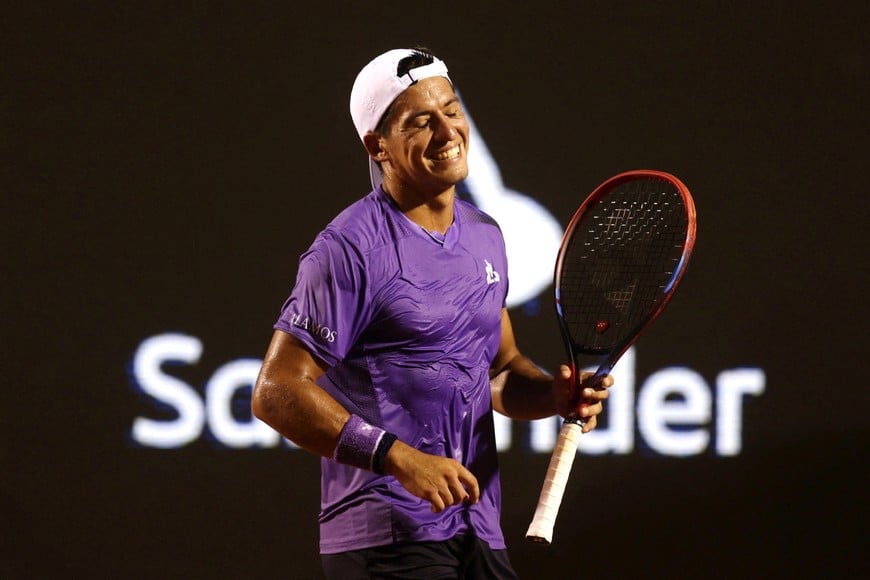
x=376 y=87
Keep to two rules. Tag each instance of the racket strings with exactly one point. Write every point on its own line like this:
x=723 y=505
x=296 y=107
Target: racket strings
x=623 y=253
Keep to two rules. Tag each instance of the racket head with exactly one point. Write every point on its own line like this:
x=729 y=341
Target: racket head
x=622 y=257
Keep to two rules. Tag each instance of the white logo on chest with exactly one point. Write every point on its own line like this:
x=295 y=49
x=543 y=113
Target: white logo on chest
x=491 y=275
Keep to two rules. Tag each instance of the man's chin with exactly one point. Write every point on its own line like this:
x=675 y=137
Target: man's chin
x=456 y=176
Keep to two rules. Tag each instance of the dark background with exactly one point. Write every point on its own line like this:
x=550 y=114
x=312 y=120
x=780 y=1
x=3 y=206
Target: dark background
x=164 y=166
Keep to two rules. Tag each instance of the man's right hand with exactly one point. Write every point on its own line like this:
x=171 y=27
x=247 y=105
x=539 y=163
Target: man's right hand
x=441 y=481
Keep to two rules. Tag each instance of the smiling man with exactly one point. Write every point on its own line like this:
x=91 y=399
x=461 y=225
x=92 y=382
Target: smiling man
x=407 y=348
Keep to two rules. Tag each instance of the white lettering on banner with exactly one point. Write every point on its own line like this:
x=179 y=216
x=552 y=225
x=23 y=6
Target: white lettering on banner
x=235 y=378
x=732 y=386
x=670 y=398
x=673 y=408
x=151 y=355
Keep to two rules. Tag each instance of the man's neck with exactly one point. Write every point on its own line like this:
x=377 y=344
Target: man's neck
x=432 y=212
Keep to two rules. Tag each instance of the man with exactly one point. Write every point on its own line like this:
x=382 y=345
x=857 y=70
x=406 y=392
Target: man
x=394 y=348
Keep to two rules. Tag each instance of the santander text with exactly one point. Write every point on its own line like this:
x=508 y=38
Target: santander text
x=673 y=411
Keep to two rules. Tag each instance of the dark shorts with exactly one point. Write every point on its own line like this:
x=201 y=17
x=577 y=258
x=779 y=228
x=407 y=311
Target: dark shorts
x=461 y=557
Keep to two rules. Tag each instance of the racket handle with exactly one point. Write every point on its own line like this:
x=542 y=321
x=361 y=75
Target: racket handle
x=541 y=528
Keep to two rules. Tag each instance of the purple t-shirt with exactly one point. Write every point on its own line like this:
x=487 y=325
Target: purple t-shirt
x=410 y=327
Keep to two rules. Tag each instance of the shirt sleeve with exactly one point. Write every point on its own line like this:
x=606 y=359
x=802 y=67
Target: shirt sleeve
x=328 y=308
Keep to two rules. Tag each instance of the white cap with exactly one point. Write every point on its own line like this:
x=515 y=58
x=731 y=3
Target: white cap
x=376 y=87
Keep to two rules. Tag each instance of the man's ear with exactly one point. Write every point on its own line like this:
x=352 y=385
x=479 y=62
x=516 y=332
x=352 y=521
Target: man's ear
x=372 y=143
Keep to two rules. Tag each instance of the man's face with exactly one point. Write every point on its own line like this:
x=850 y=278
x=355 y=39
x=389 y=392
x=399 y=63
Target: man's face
x=425 y=143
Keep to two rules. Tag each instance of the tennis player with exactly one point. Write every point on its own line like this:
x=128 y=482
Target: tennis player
x=395 y=346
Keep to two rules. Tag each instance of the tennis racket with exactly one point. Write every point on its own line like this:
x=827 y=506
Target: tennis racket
x=622 y=257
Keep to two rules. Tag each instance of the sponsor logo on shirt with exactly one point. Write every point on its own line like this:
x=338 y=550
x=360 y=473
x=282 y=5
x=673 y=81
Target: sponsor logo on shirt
x=491 y=275
x=315 y=329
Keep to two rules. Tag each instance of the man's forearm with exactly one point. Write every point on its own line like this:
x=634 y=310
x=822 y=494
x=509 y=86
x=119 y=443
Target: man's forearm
x=522 y=390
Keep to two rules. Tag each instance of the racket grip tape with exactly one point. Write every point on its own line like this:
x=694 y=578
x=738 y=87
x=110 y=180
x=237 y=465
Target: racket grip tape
x=541 y=528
